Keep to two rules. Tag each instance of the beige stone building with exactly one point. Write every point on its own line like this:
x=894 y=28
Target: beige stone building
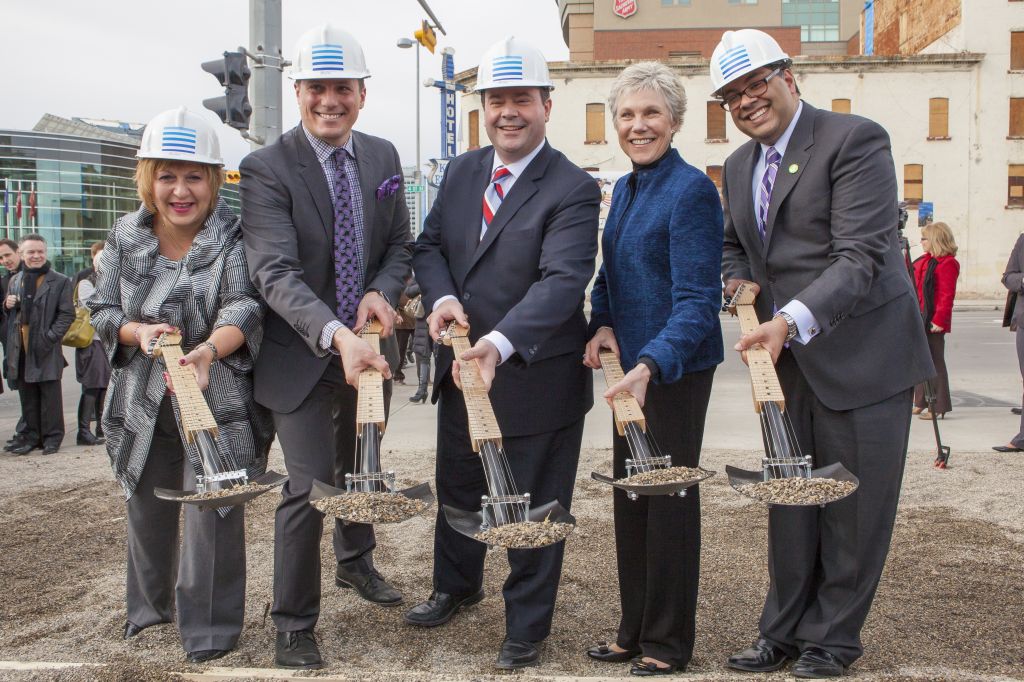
x=947 y=82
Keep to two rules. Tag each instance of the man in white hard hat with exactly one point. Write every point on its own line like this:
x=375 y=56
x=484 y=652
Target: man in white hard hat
x=509 y=247
x=326 y=233
x=811 y=218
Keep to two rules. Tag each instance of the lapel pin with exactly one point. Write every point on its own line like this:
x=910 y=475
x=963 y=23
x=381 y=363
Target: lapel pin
x=793 y=168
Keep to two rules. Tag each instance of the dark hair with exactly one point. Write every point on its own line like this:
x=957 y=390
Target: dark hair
x=32 y=238
x=545 y=95
x=9 y=242
x=95 y=248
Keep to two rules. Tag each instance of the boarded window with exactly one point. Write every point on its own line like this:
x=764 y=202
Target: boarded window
x=913 y=183
x=595 y=123
x=1017 y=51
x=474 y=129
x=841 y=106
x=1015 y=196
x=716 y=121
x=1017 y=117
x=715 y=173
x=938 y=118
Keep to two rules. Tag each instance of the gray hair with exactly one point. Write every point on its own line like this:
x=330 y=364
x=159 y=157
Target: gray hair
x=653 y=76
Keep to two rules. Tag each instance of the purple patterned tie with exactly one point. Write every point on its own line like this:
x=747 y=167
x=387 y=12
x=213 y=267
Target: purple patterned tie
x=346 y=257
x=772 y=159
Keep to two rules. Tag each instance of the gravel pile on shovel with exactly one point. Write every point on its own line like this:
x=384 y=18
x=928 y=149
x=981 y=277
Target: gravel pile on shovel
x=798 y=490
x=669 y=475
x=224 y=492
x=525 y=535
x=370 y=507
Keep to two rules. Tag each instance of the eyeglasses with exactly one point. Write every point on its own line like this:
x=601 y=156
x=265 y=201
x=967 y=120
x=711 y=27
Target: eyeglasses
x=755 y=89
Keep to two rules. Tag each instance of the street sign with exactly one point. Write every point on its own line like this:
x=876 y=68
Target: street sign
x=413 y=189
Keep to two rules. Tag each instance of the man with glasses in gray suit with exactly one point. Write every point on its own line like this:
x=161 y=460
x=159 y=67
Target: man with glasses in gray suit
x=327 y=239
x=811 y=218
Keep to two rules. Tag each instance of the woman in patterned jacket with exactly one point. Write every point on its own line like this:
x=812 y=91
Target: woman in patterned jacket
x=177 y=264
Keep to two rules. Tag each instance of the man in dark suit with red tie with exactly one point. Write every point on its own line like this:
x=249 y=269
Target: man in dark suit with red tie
x=509 y=247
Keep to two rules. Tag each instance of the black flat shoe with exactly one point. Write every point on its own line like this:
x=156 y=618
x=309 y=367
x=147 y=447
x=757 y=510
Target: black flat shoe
x=370 y=585
x=297 y=650
x=439 y=608
x=517 y=653
x=760 y=657
x=642 y=668
x=602 y=652
x=1006 y=448
x=24 y=448
x=815 y=664
x=1015 y=410
x=205 y=655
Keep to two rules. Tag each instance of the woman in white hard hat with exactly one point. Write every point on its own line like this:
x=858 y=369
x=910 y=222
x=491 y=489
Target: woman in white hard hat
x=177 y=264
x=655 y=304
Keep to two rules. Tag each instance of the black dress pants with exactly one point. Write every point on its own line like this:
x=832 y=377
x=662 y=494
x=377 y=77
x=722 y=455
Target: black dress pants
x=543 y=465
x=825 y=563
x=42 y=408
x=657 y=538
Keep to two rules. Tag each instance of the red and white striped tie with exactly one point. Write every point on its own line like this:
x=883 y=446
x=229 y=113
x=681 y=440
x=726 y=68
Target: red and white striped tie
x=493 y=196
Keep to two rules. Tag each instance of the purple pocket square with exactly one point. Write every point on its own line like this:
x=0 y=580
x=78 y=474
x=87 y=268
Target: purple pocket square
x=389 y=187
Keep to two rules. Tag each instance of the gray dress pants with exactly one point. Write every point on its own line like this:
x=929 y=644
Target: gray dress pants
x=206 y=579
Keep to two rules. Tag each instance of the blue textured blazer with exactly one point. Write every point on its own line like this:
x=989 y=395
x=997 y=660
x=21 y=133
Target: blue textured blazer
x=659 y=287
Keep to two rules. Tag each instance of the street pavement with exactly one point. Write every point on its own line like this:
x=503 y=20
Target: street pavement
x=981 y=356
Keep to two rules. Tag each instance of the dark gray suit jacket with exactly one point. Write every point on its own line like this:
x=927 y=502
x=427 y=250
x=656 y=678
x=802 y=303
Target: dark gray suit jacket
x=831 y=243
x=525 y=279
x=1013 y=279
x=288 y=229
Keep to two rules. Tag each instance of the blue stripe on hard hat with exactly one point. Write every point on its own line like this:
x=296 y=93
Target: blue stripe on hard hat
x=733 y=60
x=178 y=139
x=328 y=58
x=507 y=68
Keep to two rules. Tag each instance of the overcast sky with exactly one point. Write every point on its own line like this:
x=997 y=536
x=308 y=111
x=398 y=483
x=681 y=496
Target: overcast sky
x=131 y=59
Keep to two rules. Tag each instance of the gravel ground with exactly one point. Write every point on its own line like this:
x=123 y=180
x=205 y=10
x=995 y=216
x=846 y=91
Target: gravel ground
x=949 y=606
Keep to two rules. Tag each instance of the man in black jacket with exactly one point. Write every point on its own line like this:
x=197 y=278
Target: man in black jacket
x=11 y=261
x=39 y=303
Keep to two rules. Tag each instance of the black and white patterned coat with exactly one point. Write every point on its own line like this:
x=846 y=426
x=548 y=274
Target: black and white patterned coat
x=213 y=292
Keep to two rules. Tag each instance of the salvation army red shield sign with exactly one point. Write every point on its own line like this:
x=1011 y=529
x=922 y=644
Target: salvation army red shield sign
x=624 y=8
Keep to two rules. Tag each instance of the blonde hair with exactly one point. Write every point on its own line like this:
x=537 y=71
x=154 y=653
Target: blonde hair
x=147 y=169
x=940 y=239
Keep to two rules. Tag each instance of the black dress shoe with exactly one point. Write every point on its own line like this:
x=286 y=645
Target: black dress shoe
x=205 y=655
x=517 y=653
x=1006 y=448
x=25 y=448
x=439 y=608
x=131 y=629
x=297 y=649
x=50 y=449
x=370 y=585
x=815 y=663
x=645 y=669
x=760 y=657
x=1015 y=410
x=602 y=652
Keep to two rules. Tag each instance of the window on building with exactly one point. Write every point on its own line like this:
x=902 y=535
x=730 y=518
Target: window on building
x=818 y=19
x=595 y=124
x=1015 y=194
x=1017 y=117
x=1017 y=50
x=841 y=106
x=715 y=173
x=474 y=129
x=938 y=118
x=742 y=2
x=684 y=54
x=716 y=121
x=913 y=183
x=675 y=3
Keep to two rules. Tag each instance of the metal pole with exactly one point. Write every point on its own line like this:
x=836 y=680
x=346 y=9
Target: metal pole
x=265 y=84
x=418 y=173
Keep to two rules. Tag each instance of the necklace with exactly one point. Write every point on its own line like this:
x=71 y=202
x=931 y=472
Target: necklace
x=172 y=245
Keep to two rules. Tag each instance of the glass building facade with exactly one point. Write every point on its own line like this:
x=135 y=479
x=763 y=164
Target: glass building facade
x=81 y=185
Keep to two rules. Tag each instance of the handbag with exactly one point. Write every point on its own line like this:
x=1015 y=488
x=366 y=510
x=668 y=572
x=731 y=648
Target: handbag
x=1011 y=304
x=81 y=331
x=414 y=308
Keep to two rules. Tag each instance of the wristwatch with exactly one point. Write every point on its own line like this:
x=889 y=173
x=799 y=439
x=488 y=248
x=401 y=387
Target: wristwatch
x=382 y=295
x=791 y=330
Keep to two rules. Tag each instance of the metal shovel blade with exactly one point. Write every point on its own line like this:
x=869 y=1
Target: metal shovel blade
x=741 y=477
x=468 y=522
x=670 y=488
x=271 y=478
x=420 y=492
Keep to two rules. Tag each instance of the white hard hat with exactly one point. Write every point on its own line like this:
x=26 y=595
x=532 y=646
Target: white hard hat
x=328 y=52
x=512 y=62
x=180 y=135
x=740 y=52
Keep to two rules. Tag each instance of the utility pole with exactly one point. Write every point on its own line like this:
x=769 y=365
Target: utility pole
x=268 y=64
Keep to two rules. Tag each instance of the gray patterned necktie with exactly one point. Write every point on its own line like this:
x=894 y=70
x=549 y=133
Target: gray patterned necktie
x=346 y=257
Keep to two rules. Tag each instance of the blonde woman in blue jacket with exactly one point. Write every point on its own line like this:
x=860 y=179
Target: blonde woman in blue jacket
x=655 y=304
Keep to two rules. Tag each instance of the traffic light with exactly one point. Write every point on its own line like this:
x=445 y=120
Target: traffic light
x=233 y=73
x=426 y=36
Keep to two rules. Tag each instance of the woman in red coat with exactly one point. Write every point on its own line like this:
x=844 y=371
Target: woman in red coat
x=935 y=275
